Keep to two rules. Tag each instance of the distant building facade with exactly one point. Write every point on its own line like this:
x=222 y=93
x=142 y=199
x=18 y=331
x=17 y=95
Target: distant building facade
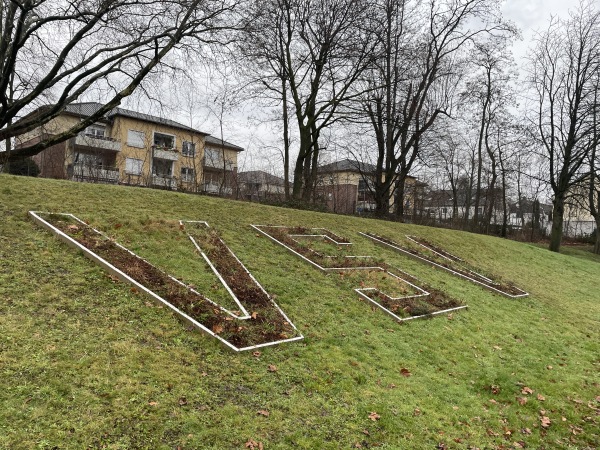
x=257 y=185
x=346 y=187
x=128 y=147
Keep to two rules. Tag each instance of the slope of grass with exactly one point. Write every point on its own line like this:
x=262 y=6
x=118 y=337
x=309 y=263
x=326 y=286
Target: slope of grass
x=86 y=362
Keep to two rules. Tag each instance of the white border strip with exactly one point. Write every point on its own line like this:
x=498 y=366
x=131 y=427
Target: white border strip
x=126 y=278
x=360 y=291
x=432 y=263
x=247 y=272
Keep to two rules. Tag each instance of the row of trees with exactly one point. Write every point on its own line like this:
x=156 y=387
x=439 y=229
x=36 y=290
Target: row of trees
x=413 y=82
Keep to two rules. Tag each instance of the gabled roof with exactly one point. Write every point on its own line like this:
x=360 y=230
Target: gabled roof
x=213 y=141
x=89 y=108
x=347 y=165
x=350 y=165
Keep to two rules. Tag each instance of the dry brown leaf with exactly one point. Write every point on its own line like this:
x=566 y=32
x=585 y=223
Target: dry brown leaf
x=545 y=421
x=374 y=416
x=541 y=398
x=254 y=315
x=153 y=403
x=522 y=400
x=417 y=412
x=272 y=368
x=405 y=372
x=549 y=367
x=253 y=445
x=366 y=432
x=526 y=391
x=256 y=354
x=217 y=329
x=526 y=431
x=182 y=401
x=496 y=347
x=493 y=401
x=263 y=412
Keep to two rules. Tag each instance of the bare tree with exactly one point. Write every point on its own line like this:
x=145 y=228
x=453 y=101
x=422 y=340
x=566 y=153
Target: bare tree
x=315 y=53
x=415 y=76
x=106 y=46
x=564 y=66
x=594 y=164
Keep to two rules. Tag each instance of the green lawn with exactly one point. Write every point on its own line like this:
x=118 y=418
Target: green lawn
x=85 y=362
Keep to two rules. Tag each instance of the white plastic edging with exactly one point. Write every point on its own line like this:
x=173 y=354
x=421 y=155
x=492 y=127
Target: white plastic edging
x=126 y=278
x=247 y=272
x=432 y=263
x=359 y=290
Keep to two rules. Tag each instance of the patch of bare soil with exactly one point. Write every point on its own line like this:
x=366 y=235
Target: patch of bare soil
x=436 y=301
x=266 y=324
x=504 y=287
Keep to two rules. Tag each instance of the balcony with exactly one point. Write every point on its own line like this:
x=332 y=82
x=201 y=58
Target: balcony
x=170 y=154
x=97 y=142
x=92 y=173
x=215 y=188
x=166 y=182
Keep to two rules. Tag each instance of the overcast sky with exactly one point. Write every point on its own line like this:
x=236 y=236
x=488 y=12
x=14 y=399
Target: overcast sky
x=532 y=15
x=261 y=140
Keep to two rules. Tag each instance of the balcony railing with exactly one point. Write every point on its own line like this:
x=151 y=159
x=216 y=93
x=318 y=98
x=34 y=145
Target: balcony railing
x=167 y=153
x=215 y=188
x=164 y=181
x=98 y=142
x=100 y=174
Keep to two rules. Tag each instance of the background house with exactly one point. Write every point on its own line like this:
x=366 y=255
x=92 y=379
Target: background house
x=257 y=185
x=346 y=187
x=133 y=148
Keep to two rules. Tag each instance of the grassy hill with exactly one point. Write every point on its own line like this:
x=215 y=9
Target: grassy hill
x=87 y=362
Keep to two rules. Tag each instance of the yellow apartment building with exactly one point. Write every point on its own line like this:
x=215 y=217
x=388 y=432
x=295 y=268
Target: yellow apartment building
x=128 y=147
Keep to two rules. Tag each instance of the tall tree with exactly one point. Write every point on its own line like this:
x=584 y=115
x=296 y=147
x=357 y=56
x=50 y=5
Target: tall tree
x=564 y=66
x=54 y=52
x=315 y=53
x=414 y=78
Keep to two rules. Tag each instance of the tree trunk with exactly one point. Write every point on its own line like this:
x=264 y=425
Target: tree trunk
x=558 y=212
x=597 y=243
x=400 y=191
x=286 y=142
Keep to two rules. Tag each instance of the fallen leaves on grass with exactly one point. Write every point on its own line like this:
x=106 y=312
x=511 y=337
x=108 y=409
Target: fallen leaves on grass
x=272 y=368
x=541 y=398
x=545 y=421
x=182 y=401
x=253 y=445
x=374 y=416
x=526 y=430
x=405 y=372
x=217 y=329
x=522 y=400
x=526 y=391
x=263 y=412
x=153 y=403
x=256 y=354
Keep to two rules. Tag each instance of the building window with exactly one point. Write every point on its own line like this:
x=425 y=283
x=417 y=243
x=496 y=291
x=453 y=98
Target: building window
x=188 y=149
x=213 y=157
x=164 y=141
x=97 y=131
x=187 y=174
x=136 y=138
x=134 y=166
x=162 y=168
